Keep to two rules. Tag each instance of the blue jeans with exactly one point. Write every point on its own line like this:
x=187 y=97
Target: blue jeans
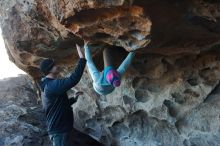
x=60 y=139
x=73 y=138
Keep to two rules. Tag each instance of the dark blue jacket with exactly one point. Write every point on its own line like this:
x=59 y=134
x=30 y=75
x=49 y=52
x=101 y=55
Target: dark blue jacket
x=59 y=114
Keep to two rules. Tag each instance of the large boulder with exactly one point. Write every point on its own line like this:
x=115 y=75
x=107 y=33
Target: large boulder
x=22 y=121
x=169 y=95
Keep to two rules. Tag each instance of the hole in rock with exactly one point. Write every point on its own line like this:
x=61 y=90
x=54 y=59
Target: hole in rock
x=170 y=105
x=141 y=95
x=193 y=81
x=178 y=98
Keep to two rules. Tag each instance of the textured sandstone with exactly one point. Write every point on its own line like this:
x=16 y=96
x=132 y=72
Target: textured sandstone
x=176 y=104
x=169 y=96
x=37 y=29
x=22 y=121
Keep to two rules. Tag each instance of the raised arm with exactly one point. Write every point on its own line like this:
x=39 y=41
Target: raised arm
x=91 y=66
x=126 y=63
x=63 y=85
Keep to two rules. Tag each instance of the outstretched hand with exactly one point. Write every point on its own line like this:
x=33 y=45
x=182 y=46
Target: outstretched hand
x=79 y=51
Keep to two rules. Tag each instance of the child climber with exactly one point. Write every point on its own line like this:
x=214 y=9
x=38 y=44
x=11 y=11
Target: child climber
x=106 y=81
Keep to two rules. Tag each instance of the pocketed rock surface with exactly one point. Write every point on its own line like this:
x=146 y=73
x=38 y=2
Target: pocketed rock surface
x=169 y=96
